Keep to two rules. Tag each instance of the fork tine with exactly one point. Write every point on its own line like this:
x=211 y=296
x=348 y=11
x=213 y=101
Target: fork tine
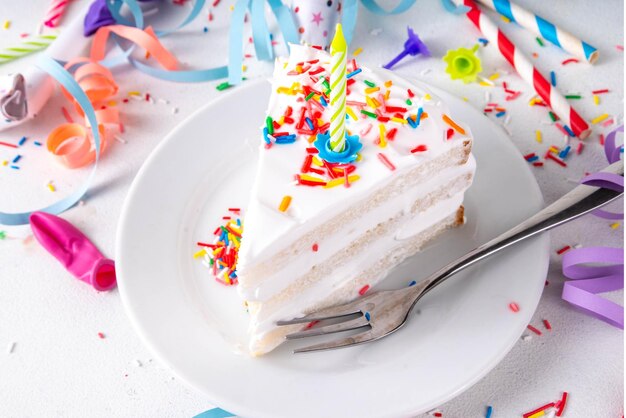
x=360 y=338
x=356 y=323
x=328 y=313
x=363 y=337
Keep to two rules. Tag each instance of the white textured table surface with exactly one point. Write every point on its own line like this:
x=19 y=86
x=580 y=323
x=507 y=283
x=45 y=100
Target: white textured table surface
x=59 y=366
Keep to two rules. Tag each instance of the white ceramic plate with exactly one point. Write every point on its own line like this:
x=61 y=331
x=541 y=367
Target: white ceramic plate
x=198 y=327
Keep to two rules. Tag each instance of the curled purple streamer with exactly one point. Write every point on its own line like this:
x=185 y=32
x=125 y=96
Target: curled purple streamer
x=608 y=180
x=98 y=16
x=589 y=280
x=595 y=270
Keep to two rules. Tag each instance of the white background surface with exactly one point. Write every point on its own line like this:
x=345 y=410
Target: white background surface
x=60 y=367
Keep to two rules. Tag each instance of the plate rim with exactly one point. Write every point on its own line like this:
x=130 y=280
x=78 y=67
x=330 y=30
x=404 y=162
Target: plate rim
x=543 y=239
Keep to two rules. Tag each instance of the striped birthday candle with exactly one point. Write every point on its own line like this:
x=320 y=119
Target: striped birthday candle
x=524 y=67
x=544 y=28
x=28 y=46
x=338 y=62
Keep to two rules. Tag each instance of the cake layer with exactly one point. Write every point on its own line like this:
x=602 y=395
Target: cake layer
x=322 y=280
x=354 y=234
x=303 y=236
x=266 y=336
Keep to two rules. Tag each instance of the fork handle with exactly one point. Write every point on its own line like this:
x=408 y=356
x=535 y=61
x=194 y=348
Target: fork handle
x=580 y=201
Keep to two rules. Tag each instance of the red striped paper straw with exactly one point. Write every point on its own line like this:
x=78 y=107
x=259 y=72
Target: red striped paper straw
x=55 y=13
x=527 y=70
x=542 y=27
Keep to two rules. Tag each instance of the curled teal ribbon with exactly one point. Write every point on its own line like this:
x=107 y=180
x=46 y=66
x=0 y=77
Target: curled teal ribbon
x=214 y=413
x=260 y=35
x=63 y=77
x=350 y=12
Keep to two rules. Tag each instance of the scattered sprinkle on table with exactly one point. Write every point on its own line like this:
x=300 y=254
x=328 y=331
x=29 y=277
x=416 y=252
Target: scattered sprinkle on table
x=6 y=144
x=539 y=411
x=533 y=329
x=223 y=86
x=514 y=307
x=599 y=119
x=563 y=250
x=561 y=404
x=489 y=408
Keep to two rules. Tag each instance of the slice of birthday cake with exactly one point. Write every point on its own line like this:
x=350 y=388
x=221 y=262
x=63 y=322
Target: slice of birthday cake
x=327 y=220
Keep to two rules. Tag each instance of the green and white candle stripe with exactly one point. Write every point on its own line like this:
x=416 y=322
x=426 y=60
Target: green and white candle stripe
x=29 y=46
x=338 y=61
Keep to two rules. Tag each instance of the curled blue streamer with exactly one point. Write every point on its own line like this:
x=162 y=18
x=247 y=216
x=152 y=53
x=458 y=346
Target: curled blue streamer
x=63 y=77
x=259 y=30
x=453 y=8
x=235 y=41
x=260 y=35
x=402 y=7
x=350 y=10
x=214 y=413
x=137 y=14
x=188 y=76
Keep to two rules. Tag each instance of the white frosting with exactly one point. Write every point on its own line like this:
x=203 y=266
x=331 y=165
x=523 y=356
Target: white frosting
x=267 y=230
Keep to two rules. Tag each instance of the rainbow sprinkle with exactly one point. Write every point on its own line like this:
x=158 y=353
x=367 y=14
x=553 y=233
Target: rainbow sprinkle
x=221 y=255
x=284 y=204
x=490 y=408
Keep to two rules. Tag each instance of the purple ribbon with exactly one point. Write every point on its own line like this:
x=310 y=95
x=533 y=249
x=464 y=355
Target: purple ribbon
x=589 y=280
x=97 y=16
x=595 y=270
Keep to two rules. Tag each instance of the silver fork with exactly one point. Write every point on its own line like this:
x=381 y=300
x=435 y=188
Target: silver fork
x=379 y=314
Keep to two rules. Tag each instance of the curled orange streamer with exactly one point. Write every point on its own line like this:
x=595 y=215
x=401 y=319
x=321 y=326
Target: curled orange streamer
x=144 y=38
x=72 y=146
x=71 y=143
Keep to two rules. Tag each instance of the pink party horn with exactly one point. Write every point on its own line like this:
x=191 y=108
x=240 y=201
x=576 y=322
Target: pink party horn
x=74 y=250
